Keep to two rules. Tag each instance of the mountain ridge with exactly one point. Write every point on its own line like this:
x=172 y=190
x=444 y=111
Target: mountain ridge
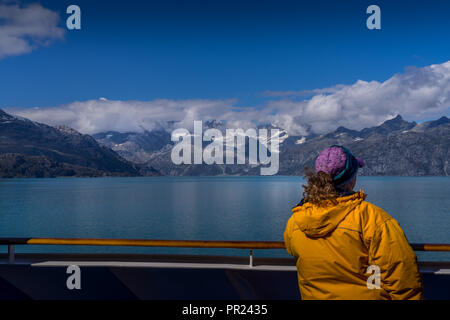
x=32 y=149
x=374 y=143
x=395 y=147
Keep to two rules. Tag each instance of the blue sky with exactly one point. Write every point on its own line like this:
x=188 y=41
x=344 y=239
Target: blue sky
x=220 y=50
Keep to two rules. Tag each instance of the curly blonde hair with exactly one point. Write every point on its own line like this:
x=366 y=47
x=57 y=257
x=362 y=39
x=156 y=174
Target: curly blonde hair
x=319 y=188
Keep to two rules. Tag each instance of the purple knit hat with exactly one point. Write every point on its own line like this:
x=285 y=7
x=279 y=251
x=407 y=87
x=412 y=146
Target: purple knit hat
x=338 y=162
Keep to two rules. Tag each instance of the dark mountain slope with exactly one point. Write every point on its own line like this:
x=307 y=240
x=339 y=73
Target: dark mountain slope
x=33 y=149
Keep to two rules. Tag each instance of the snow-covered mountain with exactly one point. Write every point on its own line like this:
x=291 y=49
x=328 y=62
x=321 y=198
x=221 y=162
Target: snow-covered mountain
x=396 y=147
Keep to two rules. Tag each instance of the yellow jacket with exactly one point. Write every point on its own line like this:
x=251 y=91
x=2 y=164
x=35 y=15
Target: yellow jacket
x=336 y=244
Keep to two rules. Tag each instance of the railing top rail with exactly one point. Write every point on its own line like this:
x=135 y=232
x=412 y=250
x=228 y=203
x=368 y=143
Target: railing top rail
x=180 y=243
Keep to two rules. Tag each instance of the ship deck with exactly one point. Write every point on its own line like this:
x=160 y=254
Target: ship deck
x=170 y=276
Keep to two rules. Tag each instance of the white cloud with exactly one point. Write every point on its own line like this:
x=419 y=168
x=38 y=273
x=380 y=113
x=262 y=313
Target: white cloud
x=416 y=94
x=103 y=114
x=23 y=28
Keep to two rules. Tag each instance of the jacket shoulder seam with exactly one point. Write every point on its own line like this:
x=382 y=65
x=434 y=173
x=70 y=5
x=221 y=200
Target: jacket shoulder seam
x=359 y=231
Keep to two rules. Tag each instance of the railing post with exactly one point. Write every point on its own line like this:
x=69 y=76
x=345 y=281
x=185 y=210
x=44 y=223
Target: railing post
x=11 y=256
x=251 y=258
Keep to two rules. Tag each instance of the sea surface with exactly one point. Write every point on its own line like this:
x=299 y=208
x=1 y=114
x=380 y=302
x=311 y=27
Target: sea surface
x=200 y=208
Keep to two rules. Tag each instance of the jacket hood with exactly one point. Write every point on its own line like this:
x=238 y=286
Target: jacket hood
x=318 y=222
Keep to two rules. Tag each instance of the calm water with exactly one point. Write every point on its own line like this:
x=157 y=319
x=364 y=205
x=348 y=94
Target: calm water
x=201 y=208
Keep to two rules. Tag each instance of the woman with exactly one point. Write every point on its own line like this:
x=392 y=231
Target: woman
x=348 y=248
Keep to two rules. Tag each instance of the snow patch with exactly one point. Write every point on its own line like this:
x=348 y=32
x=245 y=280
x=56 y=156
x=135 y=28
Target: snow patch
x=301 y=141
